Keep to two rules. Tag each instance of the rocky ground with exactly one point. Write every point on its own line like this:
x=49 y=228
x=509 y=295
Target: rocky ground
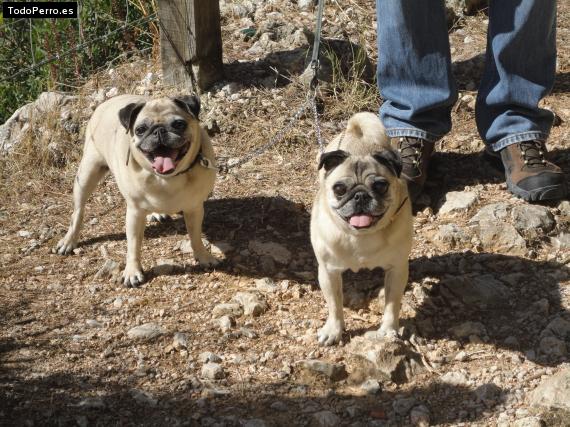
x=486 y=316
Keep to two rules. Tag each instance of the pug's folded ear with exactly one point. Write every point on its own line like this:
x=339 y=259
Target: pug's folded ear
x=391 y=159
x=189 y=103
x=331 y=159
x=129 y=113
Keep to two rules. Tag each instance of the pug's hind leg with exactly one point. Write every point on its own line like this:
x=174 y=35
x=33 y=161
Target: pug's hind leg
x=91 y=170
x=331 y=285
x=193 y=220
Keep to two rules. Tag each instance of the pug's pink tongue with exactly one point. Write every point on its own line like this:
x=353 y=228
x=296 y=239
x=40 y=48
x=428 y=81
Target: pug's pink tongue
x=163 y=164
x=360 y=221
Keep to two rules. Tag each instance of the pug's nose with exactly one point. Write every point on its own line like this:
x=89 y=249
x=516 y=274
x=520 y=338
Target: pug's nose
x=160 y=132
x=361 y=196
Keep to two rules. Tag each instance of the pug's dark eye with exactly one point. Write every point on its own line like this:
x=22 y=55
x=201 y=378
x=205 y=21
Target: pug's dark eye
x=179 y=124
x=380 y=186
x=339 y=189
x=140 y=130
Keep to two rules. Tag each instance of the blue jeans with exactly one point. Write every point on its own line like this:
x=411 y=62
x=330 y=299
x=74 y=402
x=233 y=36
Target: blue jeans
x=416 y=81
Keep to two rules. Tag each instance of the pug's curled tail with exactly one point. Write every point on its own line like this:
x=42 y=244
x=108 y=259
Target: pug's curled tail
x=368 y=128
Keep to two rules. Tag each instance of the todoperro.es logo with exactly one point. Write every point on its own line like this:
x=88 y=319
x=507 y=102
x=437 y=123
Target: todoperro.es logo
x=36 y=9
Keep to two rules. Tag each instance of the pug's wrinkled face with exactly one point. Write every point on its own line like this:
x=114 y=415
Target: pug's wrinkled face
x=359 y=188
x=162 y=131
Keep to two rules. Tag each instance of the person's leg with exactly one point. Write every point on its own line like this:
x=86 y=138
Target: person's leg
x=414 y=78
x=519 y=72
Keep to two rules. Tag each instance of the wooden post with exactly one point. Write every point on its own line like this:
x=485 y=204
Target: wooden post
x=190 y=43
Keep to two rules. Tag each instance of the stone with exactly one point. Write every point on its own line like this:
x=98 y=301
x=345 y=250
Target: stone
x=454 y=378
x=490 y=214
x=267 y=264
x=92 y=323
x=528 y=422
x=180 y=341
x=226 y=323
x=382 y=359
x=501 y=237
x=420 y=416
x=564 y=208
x=276 y=251
x=465 y=7
x=279 y=406
x=403 y=405
x=92 y=403
x=552 y=346
x=482 y=291
x=252 y=303
x=488 y=394
x=143 y=398
x=558 y=327
x=208 y=356
x=553 y=392
x=532 y=220
x=306 y=4
x=185 y=246
x=213 y=371
x=465 y=329
x=326 y=419
x=450 y=236
x=109 y=269
x=265 y=284
x=228 y=309
x=371 y=386
x=147 y=331
x=457 y=201
x=562 y=241
x=320 y=369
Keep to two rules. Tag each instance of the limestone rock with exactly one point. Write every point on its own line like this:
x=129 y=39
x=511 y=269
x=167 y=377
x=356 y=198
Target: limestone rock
x=532 y=220
x=457 y=201
x=147 y=331
x=252 y=303
x=213 y=371
x=490 y=214
x=227 y=309
x=321 y=369
x=450 y=236
x=502 y=238
x=382 y=359
x=553 y=392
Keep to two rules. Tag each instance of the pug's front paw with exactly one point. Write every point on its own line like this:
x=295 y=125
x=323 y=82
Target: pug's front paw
x=330 y=333
x=65 y=246
x=206 y=259
x=133 y=277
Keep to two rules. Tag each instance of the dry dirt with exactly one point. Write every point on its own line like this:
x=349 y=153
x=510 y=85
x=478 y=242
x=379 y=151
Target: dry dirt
x=52 y=360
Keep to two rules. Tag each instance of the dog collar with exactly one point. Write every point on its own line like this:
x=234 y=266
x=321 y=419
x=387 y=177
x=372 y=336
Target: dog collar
x=201 y=160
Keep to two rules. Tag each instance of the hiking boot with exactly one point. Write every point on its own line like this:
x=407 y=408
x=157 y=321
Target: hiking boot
x=415 y=154
x=529 y=175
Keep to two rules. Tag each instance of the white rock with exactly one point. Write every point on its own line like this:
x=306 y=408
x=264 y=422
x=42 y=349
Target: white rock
x=228 y=309
x=226 y=323
x=490 y=214
x=108 y=270
x=252 y=303
x=147 y=331
x=454 y=378
x=457 y=201
x=306 y=4
x=208 y=356
x=24 y=234
x=266 y=284
x=553 y=392
x=403 y=405
x=180 y=341
x=92 y=323
x=213 y=371
x=528 y=422
x=532 y=219
x=112 y=92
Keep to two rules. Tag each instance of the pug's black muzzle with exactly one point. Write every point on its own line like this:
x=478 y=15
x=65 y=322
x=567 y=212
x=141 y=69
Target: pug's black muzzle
x=359 y=202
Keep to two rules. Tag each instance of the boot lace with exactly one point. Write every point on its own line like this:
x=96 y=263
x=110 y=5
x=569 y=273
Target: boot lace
x=410 y=150
x=532 y=153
